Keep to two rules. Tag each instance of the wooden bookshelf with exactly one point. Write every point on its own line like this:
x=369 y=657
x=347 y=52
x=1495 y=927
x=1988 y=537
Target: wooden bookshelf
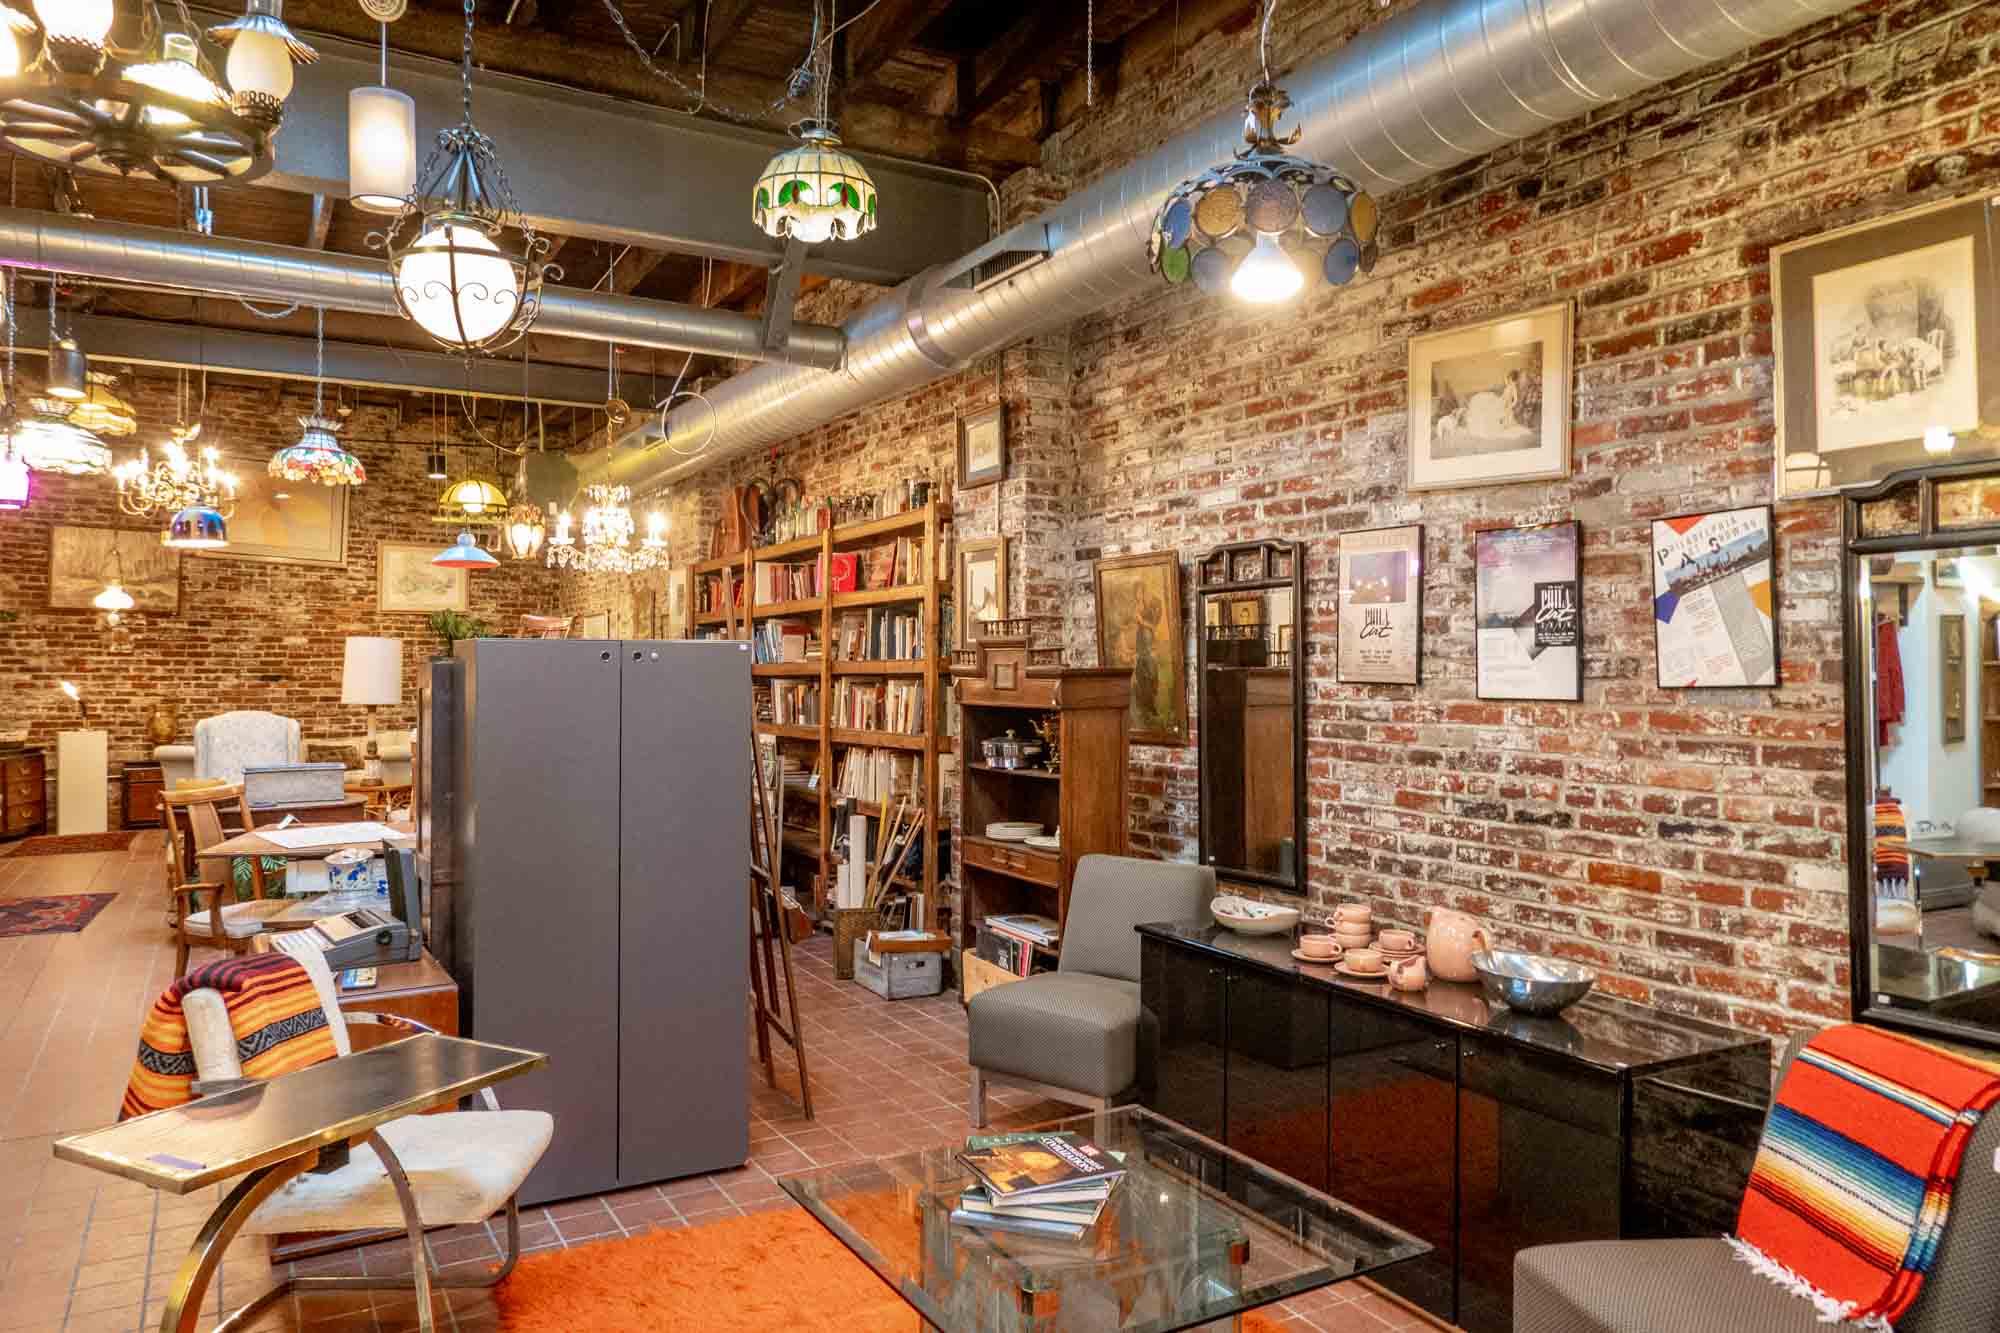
x=735 y=615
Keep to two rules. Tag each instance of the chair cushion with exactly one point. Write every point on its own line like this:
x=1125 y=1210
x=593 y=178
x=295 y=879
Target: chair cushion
x=239 y=920
x=1066 y=1029
x=1113 y=895
x=463 y=1167
x=1650 y=1286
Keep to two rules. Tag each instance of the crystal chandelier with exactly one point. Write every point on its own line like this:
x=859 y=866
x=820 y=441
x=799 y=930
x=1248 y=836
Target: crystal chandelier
x=468 y=267
x=815 y=191
x=1246 y=226
x=178 y=481
x=608 y=530
x=318 y=456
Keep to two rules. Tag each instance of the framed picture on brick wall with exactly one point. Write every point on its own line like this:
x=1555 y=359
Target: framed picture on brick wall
x=982 y=447
x=406 y=580
x=1886 y=337
x=1489 y=404
x=289 y=523
x=1139 y=626
x=1528 y=609
x=1381 y=607
x=1714 y=600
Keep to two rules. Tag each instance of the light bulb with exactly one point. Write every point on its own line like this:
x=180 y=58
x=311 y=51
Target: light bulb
x=174 y=73
x=113 y=598
x=1266 y=275
x=457 y=285
x=381 y=149
x=1938 y=440
x=10 y=53
x=69 y=688
x=812 y=228
x=87 y=21
x=259 y=63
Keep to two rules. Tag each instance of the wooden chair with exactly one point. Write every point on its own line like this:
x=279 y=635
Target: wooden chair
x=200 y=813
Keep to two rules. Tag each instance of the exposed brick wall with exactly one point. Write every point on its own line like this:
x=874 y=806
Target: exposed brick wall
x=250 y=634
x=1689 y=844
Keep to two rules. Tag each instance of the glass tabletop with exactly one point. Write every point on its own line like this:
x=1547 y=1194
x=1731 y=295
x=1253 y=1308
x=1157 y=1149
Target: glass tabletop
x=214 y=1138
x=1193 y=1235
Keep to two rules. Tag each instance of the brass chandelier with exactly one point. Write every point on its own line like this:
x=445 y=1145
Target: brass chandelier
x=178 y=480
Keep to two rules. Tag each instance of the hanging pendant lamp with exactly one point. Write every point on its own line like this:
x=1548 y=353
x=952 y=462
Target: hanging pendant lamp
x=815 y=191
x=464 y=554
x=318 y=456
x=381 y=143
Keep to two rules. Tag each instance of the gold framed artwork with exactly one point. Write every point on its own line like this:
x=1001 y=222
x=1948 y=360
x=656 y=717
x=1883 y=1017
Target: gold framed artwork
x=1139 y=626
x=289 y=522
x=1951 y=676
x=83 y=560
x=982 y=447
x=982 y=586
x=1489 y=404
x=1885 y=332
x=406 y=580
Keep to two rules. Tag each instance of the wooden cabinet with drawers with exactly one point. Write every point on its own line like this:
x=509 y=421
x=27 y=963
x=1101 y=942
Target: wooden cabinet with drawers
x=140 y=783
x=23 y=793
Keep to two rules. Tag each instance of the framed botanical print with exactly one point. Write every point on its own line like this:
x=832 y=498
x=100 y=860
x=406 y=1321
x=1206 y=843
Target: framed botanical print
x=1884 y=334
x=982 y=586
x=1714 y=600
x=1381 y=584
x=1527 y=597
x=406 y=580
x=83 y=560
x=1490 y=404
x=288 y=522
x=982 y=447
x=1139 y=626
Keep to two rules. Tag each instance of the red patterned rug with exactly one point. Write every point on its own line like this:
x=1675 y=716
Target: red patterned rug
x=50 y=916
x=116 y=841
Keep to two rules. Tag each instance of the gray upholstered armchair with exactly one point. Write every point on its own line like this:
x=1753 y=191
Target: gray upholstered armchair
x=1699 y=1286
x=1073 y=1034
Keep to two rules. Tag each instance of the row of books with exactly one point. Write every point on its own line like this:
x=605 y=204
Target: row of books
x=869 y=774
x=890 y=564
x=785 y=581
x=785 y=641
x=795 y=705
x=1011 y=942
x=866 y=705
x=1046 y=1183
x=878 y=635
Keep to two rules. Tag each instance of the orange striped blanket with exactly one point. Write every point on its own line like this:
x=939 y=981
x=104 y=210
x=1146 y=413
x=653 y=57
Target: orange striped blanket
x=274 y=1013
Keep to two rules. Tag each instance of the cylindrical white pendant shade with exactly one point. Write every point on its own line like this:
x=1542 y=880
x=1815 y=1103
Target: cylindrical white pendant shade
x=371 y=671
x=381 y=148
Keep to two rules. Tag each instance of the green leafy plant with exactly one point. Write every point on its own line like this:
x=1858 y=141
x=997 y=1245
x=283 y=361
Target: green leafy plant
x=451 y=626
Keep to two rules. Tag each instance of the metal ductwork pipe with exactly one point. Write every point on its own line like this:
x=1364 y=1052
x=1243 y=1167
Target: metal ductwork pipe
x=159 y=256
x=1440 y=84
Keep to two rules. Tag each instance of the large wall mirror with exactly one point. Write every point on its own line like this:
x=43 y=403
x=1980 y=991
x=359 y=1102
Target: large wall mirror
x=1250 y=657
x=1923 y=749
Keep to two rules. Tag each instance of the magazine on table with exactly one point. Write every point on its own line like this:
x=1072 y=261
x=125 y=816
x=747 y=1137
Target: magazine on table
x=1025 y=1165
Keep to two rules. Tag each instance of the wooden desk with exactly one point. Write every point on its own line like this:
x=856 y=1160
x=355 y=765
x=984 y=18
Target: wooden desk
x=254 y=844
x=380 y=797
x=346 y=810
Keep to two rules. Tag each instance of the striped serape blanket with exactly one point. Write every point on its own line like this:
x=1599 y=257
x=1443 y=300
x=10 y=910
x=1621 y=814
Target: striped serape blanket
x=1852 y=1185
x=1892 y=849
x=273 y=1010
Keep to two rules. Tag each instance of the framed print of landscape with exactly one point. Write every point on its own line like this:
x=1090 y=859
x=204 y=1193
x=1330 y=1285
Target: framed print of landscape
x=83 y=560
x=1489 y=404
x=289 y=522
x=1882 y=332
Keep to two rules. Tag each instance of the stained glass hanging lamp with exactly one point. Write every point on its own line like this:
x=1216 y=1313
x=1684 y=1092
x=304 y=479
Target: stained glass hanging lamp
x=318 y=456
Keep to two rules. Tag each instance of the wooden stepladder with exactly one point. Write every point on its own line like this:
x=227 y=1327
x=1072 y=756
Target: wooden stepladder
x=768 y=908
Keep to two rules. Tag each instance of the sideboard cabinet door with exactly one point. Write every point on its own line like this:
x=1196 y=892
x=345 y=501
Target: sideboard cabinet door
x=1185 y=998
x=1276 y=1111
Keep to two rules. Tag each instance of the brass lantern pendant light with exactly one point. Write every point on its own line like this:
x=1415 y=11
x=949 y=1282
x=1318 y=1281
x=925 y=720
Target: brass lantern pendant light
x=468 y=266
x=1261 y=225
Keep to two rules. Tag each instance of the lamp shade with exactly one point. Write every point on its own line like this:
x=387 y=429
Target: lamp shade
x=13 y=482
x=381 y=148
x=371 y=671
x=464 y=554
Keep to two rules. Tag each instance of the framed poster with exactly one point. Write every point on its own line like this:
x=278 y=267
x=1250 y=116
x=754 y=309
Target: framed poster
x=982 y=447
x=290 y=522
x=1381 y=584
x=982 y=586
x=83 y=560
x=406 y=580
x=1883 y=331
x=1139 y=626
x=1951 y=677
x=595 y=625
x=1527 y=594
x=1490 y=404
x=1714 y=605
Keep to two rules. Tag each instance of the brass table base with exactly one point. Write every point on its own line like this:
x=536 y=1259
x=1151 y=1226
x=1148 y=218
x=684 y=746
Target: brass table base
x=183 y=1309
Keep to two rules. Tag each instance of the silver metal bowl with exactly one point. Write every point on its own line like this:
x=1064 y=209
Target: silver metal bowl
x=1530 y=982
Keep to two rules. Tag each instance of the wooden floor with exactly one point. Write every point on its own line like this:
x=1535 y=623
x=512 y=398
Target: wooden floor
x=89 y=1253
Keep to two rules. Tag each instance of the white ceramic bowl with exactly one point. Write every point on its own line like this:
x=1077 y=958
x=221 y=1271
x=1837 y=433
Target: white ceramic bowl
x=1248 y=917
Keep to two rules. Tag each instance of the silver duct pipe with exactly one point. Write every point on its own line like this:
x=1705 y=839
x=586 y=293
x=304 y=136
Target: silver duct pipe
x=160 y=256
x=1437 y=85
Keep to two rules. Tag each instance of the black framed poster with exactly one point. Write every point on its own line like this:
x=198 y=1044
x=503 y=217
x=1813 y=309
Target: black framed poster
x=1528 y=605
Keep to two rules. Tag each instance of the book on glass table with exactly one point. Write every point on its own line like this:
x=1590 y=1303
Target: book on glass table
x=1026 y=1226
x=1021 y=1166
x=1070 y=1212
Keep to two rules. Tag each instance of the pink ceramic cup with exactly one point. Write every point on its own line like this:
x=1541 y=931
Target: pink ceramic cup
x=1355 y=935
x=1353 y=912
x=1319 y=946
x=1364 y=960
x=1400 y=941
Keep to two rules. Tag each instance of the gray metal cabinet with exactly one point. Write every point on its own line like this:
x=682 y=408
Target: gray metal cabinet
x=601 y=911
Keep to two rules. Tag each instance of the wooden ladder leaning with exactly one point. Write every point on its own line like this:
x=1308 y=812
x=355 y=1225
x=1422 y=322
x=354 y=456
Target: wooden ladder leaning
x=768 y=921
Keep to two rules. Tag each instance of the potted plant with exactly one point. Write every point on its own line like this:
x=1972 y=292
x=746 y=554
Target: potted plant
x=451 y=626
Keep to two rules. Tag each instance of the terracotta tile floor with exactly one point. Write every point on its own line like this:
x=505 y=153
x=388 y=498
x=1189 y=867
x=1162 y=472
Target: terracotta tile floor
x=88 y=1253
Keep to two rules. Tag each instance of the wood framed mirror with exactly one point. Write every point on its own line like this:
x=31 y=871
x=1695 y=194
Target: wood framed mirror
x=1250 y=660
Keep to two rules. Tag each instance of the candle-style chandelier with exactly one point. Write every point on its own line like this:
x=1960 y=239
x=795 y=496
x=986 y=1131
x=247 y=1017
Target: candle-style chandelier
x=607 y=536
x=180 y=479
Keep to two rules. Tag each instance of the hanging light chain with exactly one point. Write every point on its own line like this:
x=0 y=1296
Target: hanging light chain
x=319 y=361
x=1263 y=38
x=1090 y=53
x=465 y=63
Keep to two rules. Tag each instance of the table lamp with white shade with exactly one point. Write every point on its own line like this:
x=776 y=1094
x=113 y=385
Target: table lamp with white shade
x=371 y=675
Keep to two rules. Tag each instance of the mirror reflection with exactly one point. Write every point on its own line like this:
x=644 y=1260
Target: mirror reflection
x=1934 y=739
x=1249 y=731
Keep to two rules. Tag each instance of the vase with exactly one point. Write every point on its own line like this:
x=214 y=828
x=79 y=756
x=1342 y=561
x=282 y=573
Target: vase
x=164 y=724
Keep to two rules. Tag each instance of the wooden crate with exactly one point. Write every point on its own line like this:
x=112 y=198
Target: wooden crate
x=977 y=975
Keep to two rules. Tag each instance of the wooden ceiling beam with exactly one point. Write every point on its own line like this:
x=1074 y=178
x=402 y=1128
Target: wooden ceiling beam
x=717 y=21
x=1029 y=45
x=632 y=268
x=883 y=31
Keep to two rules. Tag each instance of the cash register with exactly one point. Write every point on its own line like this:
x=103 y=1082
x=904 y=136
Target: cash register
x=369 y=936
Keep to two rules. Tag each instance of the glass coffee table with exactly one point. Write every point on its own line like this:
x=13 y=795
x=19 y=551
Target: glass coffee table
x=1193 y=1237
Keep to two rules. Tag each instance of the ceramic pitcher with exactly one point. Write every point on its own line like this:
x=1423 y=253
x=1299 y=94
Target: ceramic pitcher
x=1451 y=940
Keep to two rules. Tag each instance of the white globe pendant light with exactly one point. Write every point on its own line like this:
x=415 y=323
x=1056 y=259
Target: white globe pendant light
x=261 y=52
x=457 y=285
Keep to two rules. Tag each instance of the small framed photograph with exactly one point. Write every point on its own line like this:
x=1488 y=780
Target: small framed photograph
x=1489 y=404
x=406 y=580
x=1527 y=595
x=982 y=447
x=1714 y=600
x=595 y=625
x=982 y=586
x=1381 y=588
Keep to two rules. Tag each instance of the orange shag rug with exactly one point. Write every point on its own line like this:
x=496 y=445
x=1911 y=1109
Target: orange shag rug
x=777 y=1269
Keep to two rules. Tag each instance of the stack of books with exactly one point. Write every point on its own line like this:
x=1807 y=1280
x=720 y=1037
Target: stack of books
x=1039 y=1183
x=1017 y=938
